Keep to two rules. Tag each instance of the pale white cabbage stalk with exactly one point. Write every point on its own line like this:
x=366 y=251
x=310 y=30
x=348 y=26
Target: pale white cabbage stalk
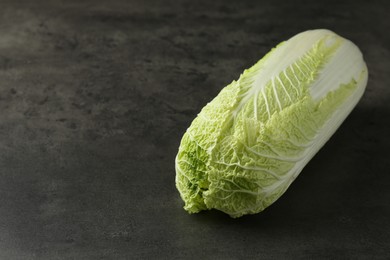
x=248 y=144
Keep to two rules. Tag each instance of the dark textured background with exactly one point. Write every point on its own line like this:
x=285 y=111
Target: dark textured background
x=94 y=98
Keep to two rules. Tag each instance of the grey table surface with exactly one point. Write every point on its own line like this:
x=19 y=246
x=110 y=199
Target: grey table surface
x=94 y=99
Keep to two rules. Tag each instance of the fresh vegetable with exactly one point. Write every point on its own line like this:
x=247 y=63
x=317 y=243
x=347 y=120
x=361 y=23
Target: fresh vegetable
x=248 y=144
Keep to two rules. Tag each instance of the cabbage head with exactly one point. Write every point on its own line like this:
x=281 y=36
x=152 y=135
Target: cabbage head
x=245 y=147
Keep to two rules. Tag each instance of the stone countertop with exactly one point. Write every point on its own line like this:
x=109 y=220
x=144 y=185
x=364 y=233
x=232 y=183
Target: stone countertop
x=94 y=99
